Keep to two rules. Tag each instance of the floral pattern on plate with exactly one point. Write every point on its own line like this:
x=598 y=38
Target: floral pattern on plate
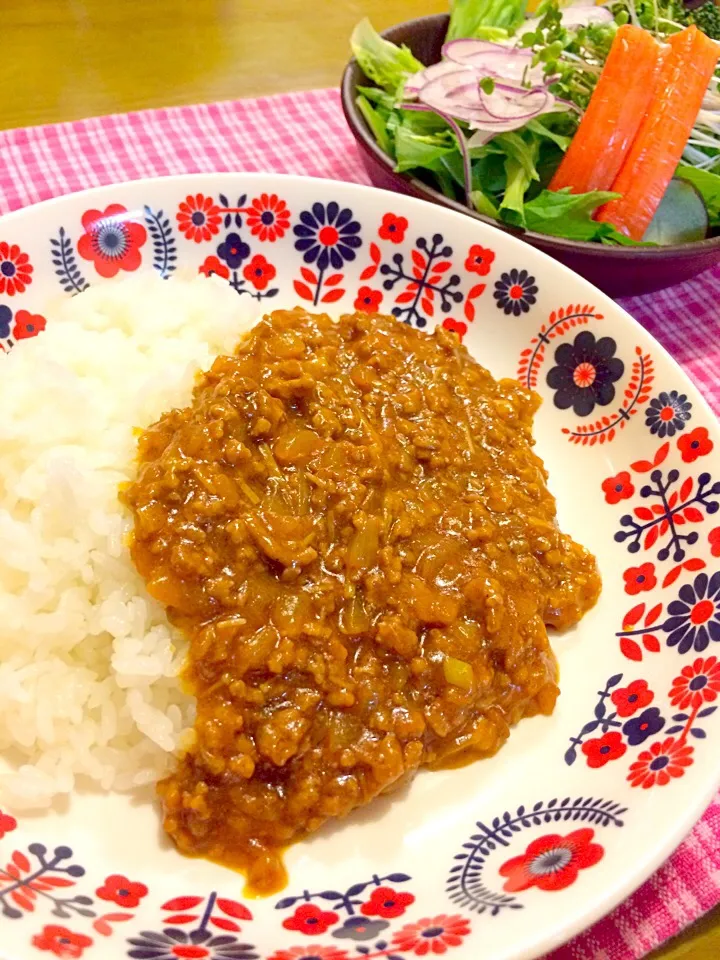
x=637 y=725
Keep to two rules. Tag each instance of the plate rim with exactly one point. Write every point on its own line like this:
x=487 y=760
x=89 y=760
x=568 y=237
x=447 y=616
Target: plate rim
x=690 y=814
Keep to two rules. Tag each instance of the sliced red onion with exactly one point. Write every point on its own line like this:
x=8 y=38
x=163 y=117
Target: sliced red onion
x=464 y=87
x=462 y=143
x=581 y=14
x=512 y=88
x=578 y=15
x=461 y=88
x=459 y=50
x=414 y=84
x=493 y=127
x=463 y=108
x=506 y=66
x=480 y=137
x=566 y=105
x=472 y=115
x=524 y=108
x=497 y=61
x=507 y=108
x=450 y=91
x=478 y=118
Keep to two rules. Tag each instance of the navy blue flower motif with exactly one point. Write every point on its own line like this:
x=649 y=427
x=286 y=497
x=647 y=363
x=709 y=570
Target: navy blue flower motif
x=327 y=235
x=360 y=928
x=164 y=946
x=695 y=616
x=647 y=724
x=233 y=250
x=515 y=292
x=5 y=318
x=585 y=373
x=668 y=413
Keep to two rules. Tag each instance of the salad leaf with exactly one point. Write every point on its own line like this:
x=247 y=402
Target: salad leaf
x=564 y=214
x=489 y=172
x=483 y=204
x=453 y=165
x=521 y=171
x=541 y=129
x=379 y=97
x=425 y=123
x=682 y=216
x=523 y=152
x=413 y=150
x=549 y=160
x=486 y=19
x=614 y=238
x=382 y=61
x=445 y=182
x=376 y=122
x=512 y=208
x=708 y=186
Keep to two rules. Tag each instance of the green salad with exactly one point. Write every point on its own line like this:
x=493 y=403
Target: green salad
x=573 y=122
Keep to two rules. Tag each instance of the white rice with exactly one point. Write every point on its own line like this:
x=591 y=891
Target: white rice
x=88 y=661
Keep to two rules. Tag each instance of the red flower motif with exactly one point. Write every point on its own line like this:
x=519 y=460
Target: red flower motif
x=310 y=953
x=393 y=228
x=432 y=934
x=15 y=269
x=640 y=578
x=552 y=862
x=259 y=272
x=457 y=326
x=714 y=540
x=268 y=217
x=664 y=761
x=368 y=300
x=198 y=218
x=7 y=824
x=695 y=444
x=697 y=684
x=213 y=266
x=28 y=325
x=310 y=919
x=602 y=750
x=479 y=260
x=628 y=700
x=122 y=891
x=618 y=488
x=111 y=240
x=61 y=941
x=386 y=902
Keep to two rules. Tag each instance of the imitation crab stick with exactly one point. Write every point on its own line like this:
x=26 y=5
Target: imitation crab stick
x=613 y=116
x=656 y=151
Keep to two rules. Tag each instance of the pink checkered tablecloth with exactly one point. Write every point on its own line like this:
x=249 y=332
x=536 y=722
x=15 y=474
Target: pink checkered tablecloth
x=305 y=133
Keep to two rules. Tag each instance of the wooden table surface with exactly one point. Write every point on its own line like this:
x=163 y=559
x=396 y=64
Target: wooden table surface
x=67 y=59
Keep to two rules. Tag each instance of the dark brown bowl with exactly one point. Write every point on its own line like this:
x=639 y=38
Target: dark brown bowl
x=619 y=271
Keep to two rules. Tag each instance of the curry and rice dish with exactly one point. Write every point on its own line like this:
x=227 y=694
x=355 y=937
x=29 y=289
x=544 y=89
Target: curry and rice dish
x=350 y=528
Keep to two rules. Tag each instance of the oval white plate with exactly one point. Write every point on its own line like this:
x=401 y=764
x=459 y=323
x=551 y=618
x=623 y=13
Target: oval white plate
x=507 y=858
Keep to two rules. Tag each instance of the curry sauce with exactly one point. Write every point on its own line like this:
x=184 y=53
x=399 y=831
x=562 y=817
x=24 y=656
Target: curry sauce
x=351 y=527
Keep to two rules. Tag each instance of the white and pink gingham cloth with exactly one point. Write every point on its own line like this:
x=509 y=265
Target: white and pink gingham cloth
x=305 y=133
